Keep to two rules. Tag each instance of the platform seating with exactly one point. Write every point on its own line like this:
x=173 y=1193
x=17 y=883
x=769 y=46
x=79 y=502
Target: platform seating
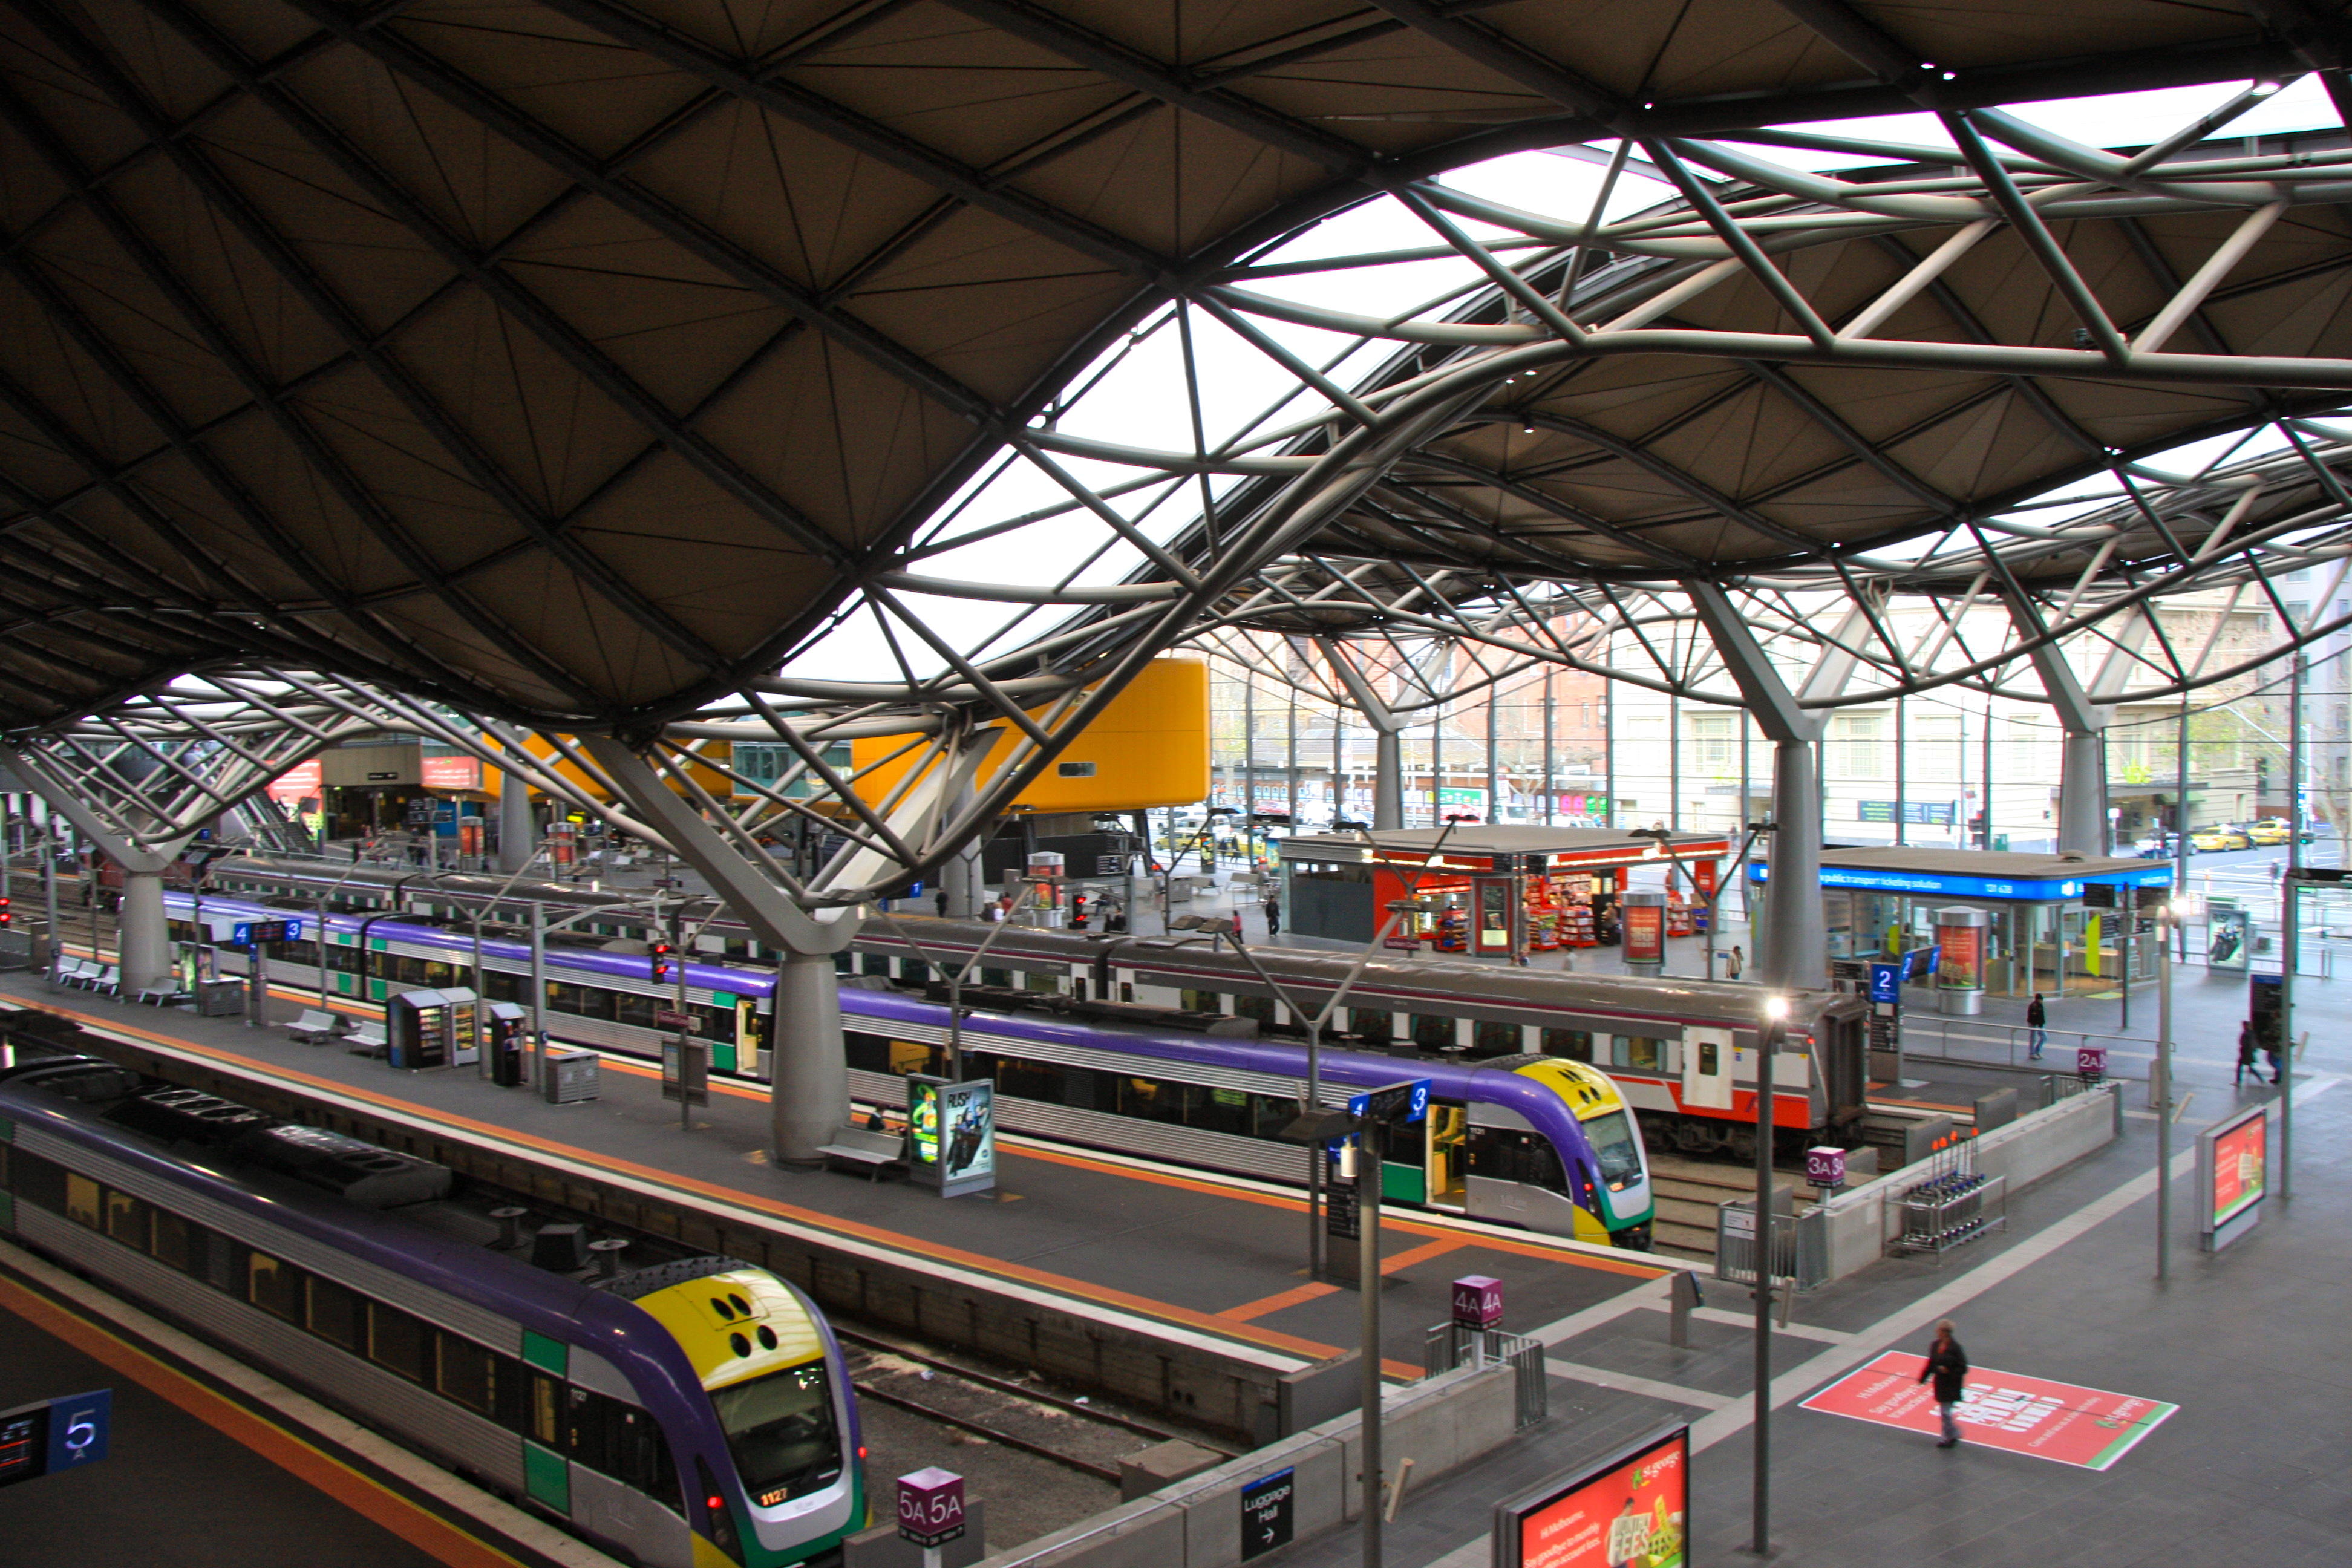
x=107 y=980
x=167 y=995
x=315 y=1027
x=368 y=1039
x=75 y=972
x=873 y=1151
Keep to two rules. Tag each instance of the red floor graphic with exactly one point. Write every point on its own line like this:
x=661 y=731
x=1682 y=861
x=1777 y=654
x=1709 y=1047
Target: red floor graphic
x=2087 y=1426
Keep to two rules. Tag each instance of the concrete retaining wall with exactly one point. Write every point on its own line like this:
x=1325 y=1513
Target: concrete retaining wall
x=1864 y=1221
x=1440 y=1424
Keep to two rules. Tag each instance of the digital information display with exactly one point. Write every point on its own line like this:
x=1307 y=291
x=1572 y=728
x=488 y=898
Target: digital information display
x=1631 y=1510
x=54 y=1436
x=2232 y=1175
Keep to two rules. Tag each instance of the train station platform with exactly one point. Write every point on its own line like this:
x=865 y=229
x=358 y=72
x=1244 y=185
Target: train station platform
x=210 y=1463
x=1207 y=1258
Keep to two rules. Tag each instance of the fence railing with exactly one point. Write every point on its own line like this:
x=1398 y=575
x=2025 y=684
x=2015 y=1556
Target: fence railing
x=1450 y=1345
x=1799 y=1246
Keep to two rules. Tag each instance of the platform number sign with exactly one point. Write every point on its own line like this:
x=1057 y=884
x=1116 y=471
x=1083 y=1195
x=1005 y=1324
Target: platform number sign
x=1267 y=1512
x=246 y=934
x=54 y=1434
x=930 y=1507
x=1407 y=1101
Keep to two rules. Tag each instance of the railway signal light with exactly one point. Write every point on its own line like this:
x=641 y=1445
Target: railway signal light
x=663 y=961
x=8 y=915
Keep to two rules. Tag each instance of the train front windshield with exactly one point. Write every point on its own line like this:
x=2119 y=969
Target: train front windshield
x=780 y=1430
x=1611 y=1137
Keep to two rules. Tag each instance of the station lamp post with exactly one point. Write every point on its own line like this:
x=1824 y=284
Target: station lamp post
x=1767 y=1045
x=2163 y=1085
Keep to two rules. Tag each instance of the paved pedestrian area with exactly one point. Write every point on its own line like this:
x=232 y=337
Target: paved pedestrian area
x=2250 y=1467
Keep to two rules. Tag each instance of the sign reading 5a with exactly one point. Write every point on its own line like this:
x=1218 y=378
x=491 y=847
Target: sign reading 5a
x=54 y=1434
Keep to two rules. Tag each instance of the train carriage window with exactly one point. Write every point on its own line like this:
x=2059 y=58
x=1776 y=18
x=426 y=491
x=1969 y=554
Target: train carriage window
x=467 y=1374
x=1432 y=1033
x=1492 y=1039
x=1040 y=1082
x=717 y=1023
x=82 y=1201
x=38 y=1182
x=438 y=974
x=906 y=1056
x=1203 y=1002
x=1151 y=1100
x=866 y=1053
x=1258 y=1008
x=275 y=1286
x=409 y=970
x=180 y=1244
x=1000 y=978
x=1638 y=1052
x=397 y=1341
x=337 y=1314
x=640 y=1458
x=914 y=971
x=1507 y=1154
x=1576 y=1045
x=544 y=1422
x=504 y=987
x=305 y=954
x=1032 y=981
x=343 y=960
x=1371 y=1023
x=637 y=1011
x=128 y=1220
x=873 y=964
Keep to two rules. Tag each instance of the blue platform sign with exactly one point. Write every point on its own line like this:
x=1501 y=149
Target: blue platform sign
x=77 y=1429
x=245 y=933
x=54 y=1434
x=1414 y=1096
x=1887 y=981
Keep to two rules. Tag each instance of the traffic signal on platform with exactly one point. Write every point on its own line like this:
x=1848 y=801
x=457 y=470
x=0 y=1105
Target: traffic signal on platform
x=663 y=959
x=8 y=915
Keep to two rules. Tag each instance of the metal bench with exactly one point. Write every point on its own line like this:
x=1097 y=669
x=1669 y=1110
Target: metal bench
x=107 y=980
x=368 y=1039
x=74 y=972
x=314 y=1027
x=860 y=1146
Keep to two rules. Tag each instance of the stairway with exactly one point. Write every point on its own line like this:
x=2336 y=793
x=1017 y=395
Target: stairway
x=1689 y=1191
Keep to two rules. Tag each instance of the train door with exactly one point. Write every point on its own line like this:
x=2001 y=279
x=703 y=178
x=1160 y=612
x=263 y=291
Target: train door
x=1444 y=1148
x=1706 y=1068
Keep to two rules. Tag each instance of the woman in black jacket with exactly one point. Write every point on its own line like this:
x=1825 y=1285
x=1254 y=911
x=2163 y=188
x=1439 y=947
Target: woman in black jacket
x=1948 y=1364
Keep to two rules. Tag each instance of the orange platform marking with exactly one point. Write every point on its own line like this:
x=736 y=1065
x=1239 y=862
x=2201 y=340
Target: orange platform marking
x=1277 y=1302
x=421 y=1526
x=1424 y=1252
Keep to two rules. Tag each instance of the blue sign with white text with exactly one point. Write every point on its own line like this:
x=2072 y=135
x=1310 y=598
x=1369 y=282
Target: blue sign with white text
x=1416 y=1104
x=1942 y=887
x=77 y=1429
x=1887 y=981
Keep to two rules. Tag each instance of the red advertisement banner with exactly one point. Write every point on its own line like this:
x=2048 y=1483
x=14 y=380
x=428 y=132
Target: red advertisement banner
x=451 y=773
x=1635 y=1513
x=1646 y=933
x=2089 y=1427
x=299 y=781
x=1962 y=966
x=2240 y=1165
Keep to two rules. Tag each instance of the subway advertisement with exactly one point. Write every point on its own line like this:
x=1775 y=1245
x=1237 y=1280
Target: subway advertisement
x=2232 y=1176
x=1631 y=1510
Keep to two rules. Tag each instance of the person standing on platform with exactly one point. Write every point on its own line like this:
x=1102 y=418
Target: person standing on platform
x=2036 y=1016
x=1734 y=961
x=2246 y=1056
x=939 y=900
x=1272 y=917
x=1948 y=1364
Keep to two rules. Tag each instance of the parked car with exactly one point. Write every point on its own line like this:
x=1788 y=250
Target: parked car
x=2274 y=830
x=2224 y=836
x=2159 y=847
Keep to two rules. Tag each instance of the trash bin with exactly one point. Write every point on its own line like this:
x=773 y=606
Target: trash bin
x=573 y=1076
x=220 y=998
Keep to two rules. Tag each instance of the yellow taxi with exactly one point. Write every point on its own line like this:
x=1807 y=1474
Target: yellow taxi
x=2272 y=830
x=2222 y=837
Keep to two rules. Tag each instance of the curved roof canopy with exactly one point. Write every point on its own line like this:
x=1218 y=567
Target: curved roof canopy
x=577 y=360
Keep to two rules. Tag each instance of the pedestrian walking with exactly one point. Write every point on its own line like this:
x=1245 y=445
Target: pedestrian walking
x=939 y=899
x=2036 y=1016
x=2274 y=1049
x=2246 y=1056
x=1272 y=916
x=1734 y=961
x=1948 y=1364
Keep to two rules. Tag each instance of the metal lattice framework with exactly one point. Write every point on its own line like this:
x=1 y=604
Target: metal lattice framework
x=583 y=366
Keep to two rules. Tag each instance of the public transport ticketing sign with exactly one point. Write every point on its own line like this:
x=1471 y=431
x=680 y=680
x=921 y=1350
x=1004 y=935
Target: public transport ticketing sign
x=2159 y=874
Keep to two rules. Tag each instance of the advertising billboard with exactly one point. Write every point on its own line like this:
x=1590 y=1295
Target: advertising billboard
x=951 y=1134
x=1962 y=968
x=1631 y=1510
x=2061 y=1422
x=1645 y=932
x=2232 y=1176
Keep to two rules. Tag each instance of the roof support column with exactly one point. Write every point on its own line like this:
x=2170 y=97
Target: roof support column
x=1792 y=949
x=808 y=1078
x=139 y=928
x=1388 y=743
x=2083 y=724
x=517 y=831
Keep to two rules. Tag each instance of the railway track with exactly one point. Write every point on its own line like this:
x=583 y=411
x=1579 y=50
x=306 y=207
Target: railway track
x=1018 y=1412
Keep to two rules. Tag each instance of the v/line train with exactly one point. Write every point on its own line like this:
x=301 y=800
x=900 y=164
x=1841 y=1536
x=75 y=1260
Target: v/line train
x=683 y=1414
x=1066 y=1013
x=1539 y=1141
